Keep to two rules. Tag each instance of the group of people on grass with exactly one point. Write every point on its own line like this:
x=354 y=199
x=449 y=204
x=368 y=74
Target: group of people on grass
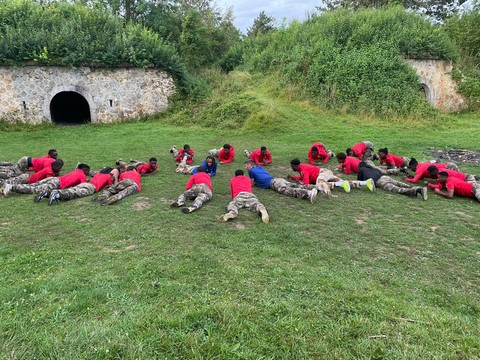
x=40 y=176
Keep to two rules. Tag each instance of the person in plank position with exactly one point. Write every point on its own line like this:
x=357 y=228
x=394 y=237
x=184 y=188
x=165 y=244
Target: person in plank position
x=347 y=164
x=362 y=150
x=143 y=168
x=186 y=153
x=52 y=170
x=225 y=155
x=198 y=189
x=318 y=154
x=393 y=162
x=421 y=169
x=25 y=164
x=260 y=156
x=129 y=183
x=433 y=174
x=447 y=186
x=241 y=192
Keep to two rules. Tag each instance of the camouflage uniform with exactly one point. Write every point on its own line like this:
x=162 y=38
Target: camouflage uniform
x=388 y=184
x=17 y=169
x=285 y=187
x=368 y=152
x=47 y=184
x=21 y=179
x=81 y=190
x=451 y=166
x=471 y=178
x=200 y=193
x=214 y=152
x=324 y=176
x=121 y=189
x=476 y=191
x=183 y=168
x=245 y=200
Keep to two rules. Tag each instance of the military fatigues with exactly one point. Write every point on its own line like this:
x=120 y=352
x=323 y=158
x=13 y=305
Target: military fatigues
x=183 y=168
x=285 y=187
x=17 y=169
x=21 y=179
x=81 y=190
x=388 y=184
x=368 y=152
x=200 y=193
x=121 y=189
x=245 y=200
x=47 y=184
x=214 y=152
x=476 y=191
x=324 y=176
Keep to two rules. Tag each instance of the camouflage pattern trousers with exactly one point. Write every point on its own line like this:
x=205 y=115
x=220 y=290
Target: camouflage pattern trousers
x=368 y=152
x=200 y=193
x=121 y=189
x=388 y=184
x=47 y=184
x=476 y=191
x=214 y=152
x=183 y=168
x=81 y=190
x=285 y=187
x=17 y=169
x=21 y=179
x=245 y=200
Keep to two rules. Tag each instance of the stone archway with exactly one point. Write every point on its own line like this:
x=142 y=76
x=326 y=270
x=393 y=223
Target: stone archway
x=427 y=91
x=69 y=105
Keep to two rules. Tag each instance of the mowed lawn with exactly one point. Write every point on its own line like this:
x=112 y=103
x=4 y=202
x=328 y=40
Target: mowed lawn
x=357 y=276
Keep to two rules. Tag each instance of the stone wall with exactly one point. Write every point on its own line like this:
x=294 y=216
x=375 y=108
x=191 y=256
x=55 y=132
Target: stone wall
x=112 y=94
x=440 y=89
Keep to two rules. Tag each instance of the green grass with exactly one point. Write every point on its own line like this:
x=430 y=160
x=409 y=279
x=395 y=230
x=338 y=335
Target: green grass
x=359 y=275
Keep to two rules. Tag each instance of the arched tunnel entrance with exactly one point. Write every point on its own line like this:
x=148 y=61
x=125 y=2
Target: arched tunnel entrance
x=70 y=108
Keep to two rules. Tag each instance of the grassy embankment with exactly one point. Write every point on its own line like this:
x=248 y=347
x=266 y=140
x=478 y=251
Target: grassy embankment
x=359 y=275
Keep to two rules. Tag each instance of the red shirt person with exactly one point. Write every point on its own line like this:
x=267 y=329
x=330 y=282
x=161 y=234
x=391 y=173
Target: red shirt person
x=308 y=173
x=348 y=164
x=198 y=189
x=240 y=183
x=149 y=168
x=261 y=156
x=317 y=154
x=421 y=171
x=187 y=152
x=198 y=179
x=448 y=186
x=226 y=154
x=391 y=160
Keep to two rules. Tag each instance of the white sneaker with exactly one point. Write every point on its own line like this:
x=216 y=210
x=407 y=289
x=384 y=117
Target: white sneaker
x=312 y=195
x=7 y=188
x=265 y=217
x=172 y=149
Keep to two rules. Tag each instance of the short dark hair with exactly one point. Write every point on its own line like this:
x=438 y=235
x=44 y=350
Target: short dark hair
x=349 y=150
x=263 y=148
x=186 y=146
x=413 y=162
x=200 y=169
x=51 y=151
x=443 y=173
x=432 y=169
x=57 y=164
x=239 y=172
x=341 y=156
x=211 y=158
x=295 y=162
x=130 y=167
x=314 y=149
x=384 y=150
x=153 y=159
x=106 y=170
x=83 y=167
x=226 y=146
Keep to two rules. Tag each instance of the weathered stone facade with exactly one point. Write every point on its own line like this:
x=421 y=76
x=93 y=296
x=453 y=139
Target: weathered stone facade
x=112 y=94
x=440 y=89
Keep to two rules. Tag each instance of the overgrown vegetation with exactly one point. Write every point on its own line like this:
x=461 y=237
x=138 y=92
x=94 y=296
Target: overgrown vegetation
x=353 y=60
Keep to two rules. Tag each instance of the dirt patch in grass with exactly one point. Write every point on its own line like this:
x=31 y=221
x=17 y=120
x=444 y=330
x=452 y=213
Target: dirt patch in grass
x=141 y=204
x=457 y=155
x=239 y=225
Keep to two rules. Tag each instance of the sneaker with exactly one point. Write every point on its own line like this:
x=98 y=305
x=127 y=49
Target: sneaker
x=188 y=210
x=109 y=201
x=6 y=189
x=265 y=217
x=312 y=195
x=246 y=152
x=2 y=181
x=40 y=196
x=118 y=161
x=176 y=204
x=54 y=197
x=346 y=186
x=371 y=185
x=330 y=153
x=172 y=149
x=424 y=193
x=227 y=216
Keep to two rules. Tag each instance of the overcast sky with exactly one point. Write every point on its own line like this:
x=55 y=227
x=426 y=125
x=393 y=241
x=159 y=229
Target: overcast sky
x=246 y=10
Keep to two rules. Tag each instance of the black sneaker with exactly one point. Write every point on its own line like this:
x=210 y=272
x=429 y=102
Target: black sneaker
x=40 y=196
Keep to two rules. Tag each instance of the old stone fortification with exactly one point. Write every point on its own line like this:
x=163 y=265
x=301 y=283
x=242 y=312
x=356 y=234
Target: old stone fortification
x=27 y=92
x=440 y=89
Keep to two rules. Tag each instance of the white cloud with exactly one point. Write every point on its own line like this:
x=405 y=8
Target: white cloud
x=246 y=10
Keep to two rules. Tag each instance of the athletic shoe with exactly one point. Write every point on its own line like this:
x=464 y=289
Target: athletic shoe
x=346 y=186
x=330 y=153
x=188 y=210
x=2 y=181
x=227 y=216
x=247 y=153
x=109 y=201
x=54 y=197
x=6 y=189
x=117 y=162
x=371 y=185
x=312 y=195
x=404 y=170
x=176 y=204
x=265 y=217
x=172 y=149
x=424 y=193
x=40 y=196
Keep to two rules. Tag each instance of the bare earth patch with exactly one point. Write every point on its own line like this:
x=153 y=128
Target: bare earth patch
x=457 y=155
x=142 y=204
x=239 y=226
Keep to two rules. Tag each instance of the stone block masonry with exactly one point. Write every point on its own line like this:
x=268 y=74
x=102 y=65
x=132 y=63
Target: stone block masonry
x=112 y=94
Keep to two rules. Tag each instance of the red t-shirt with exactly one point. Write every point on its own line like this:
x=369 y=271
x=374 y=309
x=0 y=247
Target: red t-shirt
x=146 y=168
x=181 y=153
x=46 y=172
x=240 y=183
x=392 y=160
x=100 y=181
x=350 y=165
x=258 y=158
x=455 y=174
x=308 y=174
x=359 y=149
x=460 y=188
x=71 y=179
x=322 y=154
x=133 y=175
x=226 y=158
x=40 y=163
x=199 y=178
x=421 y=171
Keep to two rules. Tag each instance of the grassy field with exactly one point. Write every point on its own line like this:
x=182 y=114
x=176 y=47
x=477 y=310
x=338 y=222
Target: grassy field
x=359 y=275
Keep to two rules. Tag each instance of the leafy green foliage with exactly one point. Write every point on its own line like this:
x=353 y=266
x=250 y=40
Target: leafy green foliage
x=353 y=60
x=262 y=25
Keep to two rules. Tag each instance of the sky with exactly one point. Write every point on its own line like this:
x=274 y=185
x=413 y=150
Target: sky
x=246 y=10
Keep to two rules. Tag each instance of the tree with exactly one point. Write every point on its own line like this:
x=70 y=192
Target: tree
x=262 y=24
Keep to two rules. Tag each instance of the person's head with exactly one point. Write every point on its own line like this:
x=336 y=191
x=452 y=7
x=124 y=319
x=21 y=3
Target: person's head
x=115 y=173
x=349 y=152
x=57 y=165
x=153 y=162
x=53 y=153
x=442 y=177
x=226 y=148
x=106 y=170
x=84 y=167
x=314 y=150
x=200 y=169
x=295 y=163
x=433 y=171
x=210 y=160
x=239 y=172
x=263 y=150
x=382 y=153
x=130 y=168
x=413 y=164
x=186 y=147
x=341 y=157
x=249 y=164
